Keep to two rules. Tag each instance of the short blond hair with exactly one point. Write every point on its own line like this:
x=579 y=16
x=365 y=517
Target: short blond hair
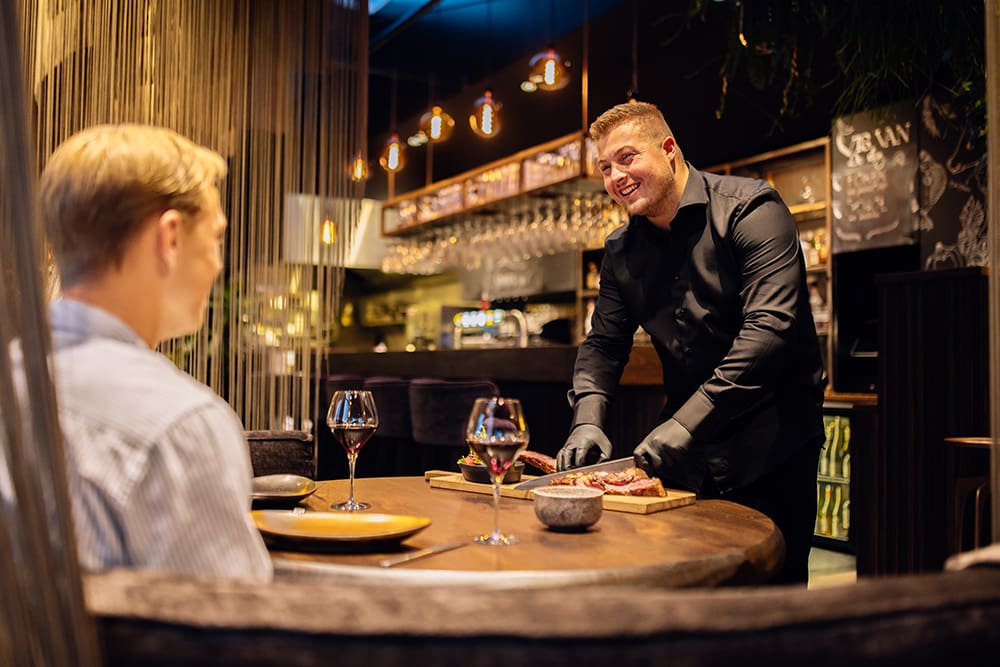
x=102 y=185
x=643 y=115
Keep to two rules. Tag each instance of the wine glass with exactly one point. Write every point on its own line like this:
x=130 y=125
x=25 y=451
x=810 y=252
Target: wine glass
x=353 y=419
x=497 y=433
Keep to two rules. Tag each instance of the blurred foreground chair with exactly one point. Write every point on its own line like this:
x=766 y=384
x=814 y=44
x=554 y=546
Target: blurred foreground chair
x=331 y=461
x=390 y=451
x=277 y=452
x=439 y=410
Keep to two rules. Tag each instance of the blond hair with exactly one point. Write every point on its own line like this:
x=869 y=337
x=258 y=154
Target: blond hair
x=643 y=115
x=101 y=186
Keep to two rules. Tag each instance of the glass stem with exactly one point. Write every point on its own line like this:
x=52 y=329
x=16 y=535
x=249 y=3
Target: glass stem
x=351 y=458
x=496 y=508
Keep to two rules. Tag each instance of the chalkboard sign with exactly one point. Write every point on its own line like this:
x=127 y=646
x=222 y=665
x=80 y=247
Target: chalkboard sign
x=874 y=173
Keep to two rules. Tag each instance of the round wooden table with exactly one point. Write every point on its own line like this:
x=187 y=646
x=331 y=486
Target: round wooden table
x=708 y=543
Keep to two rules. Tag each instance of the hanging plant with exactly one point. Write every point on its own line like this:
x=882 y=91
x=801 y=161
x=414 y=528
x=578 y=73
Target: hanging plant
x=874 y=52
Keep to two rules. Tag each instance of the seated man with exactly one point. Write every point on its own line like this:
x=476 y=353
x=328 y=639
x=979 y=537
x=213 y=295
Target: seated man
x=159 y=469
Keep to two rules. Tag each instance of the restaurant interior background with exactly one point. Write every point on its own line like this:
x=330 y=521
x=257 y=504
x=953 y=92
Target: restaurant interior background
x=290 y=117
x=879 y=153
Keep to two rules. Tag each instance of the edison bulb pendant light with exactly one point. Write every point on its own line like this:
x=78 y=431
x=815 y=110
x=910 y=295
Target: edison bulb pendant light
x=392 y=159
x=436 y=124
x=548 y=71
x=359 y=168
x=485 y=118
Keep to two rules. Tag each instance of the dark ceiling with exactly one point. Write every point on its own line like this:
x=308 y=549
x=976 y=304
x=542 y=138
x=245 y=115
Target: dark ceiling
x=456 y=48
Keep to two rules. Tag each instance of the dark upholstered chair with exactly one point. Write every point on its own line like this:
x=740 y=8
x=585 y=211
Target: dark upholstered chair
x=439 y=410
x=390 y=451
x=331 y=462
x=275 y=452
x=150 y=618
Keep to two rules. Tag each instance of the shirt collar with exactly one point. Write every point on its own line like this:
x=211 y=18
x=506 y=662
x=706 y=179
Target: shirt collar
x=76 y=320
x=694 y=190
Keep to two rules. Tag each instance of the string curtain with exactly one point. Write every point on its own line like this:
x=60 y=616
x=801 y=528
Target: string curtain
x=280 y=90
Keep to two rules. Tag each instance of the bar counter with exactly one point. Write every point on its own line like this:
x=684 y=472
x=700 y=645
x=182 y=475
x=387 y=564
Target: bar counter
x=539 y=376
x=553 y=363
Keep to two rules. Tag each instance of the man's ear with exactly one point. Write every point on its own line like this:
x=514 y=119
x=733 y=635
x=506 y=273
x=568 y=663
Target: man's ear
x=669 y=146
x=168 y=239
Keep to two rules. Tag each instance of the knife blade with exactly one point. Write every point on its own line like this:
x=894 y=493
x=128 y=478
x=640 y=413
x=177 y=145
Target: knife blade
x=607 y=466
x=420 y=553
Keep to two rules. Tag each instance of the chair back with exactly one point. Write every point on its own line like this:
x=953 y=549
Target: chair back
x=282 y=452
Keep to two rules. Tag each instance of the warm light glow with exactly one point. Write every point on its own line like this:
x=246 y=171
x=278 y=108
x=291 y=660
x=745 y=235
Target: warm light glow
x=359 y=169
x=329 y=233
x=528 y=86
x=392 y=157
x=416 y=140
x=436 y=124
x=548 y=71
x=485 y=118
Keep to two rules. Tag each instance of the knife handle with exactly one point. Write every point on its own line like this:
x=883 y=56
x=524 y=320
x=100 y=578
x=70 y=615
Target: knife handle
x=420 y=553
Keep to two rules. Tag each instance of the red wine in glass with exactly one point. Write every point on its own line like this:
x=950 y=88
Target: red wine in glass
x=352 y=418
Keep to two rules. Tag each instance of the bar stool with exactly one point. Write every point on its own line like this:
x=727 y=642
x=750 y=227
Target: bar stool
x=976 y=486
x=390 y=451
x=331 y=461
x=439 y=410
x=282 y=452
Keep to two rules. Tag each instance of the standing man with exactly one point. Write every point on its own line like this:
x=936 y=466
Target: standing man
x=711 y=267
x=159 y=468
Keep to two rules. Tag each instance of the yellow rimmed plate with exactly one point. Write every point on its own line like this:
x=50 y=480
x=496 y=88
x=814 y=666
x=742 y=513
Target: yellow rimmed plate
x=337 y=527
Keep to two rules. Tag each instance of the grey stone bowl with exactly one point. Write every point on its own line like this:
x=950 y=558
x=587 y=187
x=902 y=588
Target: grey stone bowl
x=568 y=508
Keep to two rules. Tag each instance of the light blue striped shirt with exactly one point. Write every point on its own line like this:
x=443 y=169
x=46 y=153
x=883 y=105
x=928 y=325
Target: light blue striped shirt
x=160 y=472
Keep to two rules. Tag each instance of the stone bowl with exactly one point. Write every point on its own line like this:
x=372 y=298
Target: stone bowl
x=479 y=474
x=568 y=508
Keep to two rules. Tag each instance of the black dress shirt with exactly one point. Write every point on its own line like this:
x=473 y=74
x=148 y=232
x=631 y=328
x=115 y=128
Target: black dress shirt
x=723 y=297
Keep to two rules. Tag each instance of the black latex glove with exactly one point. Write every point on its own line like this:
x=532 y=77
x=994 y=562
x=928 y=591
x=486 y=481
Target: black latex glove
x=585 y=445
x=664 y=449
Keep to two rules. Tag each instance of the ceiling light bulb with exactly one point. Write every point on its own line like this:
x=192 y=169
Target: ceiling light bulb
x=392 y=156
x=329 y=233
x=548 y=71
x=359 y=169
x=436 y=124
x=485 y=118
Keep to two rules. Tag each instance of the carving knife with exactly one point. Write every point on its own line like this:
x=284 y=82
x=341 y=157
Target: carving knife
x=607 y=466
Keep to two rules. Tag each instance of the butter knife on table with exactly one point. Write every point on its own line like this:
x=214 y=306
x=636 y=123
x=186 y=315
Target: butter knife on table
x=420 y=553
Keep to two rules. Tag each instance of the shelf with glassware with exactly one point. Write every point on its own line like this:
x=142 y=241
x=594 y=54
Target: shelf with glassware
x=801 y=175
x=495 y=186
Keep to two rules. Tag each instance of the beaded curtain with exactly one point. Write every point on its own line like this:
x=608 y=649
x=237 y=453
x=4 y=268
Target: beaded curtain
x=280 y=90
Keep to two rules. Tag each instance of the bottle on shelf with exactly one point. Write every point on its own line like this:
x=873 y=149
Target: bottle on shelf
x=845 y=459
x=593 y=278
x=833 y=448
x=845 y=516
x=836 y=530
x=824 y=527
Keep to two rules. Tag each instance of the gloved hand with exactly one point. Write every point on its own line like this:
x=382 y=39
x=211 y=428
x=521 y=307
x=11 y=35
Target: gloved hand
x=585 y=445
x=663 y=449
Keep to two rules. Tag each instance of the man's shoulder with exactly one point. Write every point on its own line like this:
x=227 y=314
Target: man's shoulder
x=126 y=386
x=740 y=187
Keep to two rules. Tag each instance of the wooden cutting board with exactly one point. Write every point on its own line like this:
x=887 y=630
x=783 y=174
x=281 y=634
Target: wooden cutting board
x=633 y=504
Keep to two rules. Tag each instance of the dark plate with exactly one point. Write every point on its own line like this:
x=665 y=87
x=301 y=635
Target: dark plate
x=478 y=474
x=281 y=490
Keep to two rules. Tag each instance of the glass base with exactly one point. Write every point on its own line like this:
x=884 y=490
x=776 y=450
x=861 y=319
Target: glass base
x=350 y=505
x=497 y=540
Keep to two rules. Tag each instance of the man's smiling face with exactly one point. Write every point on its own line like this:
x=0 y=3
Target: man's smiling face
x=639 y=172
